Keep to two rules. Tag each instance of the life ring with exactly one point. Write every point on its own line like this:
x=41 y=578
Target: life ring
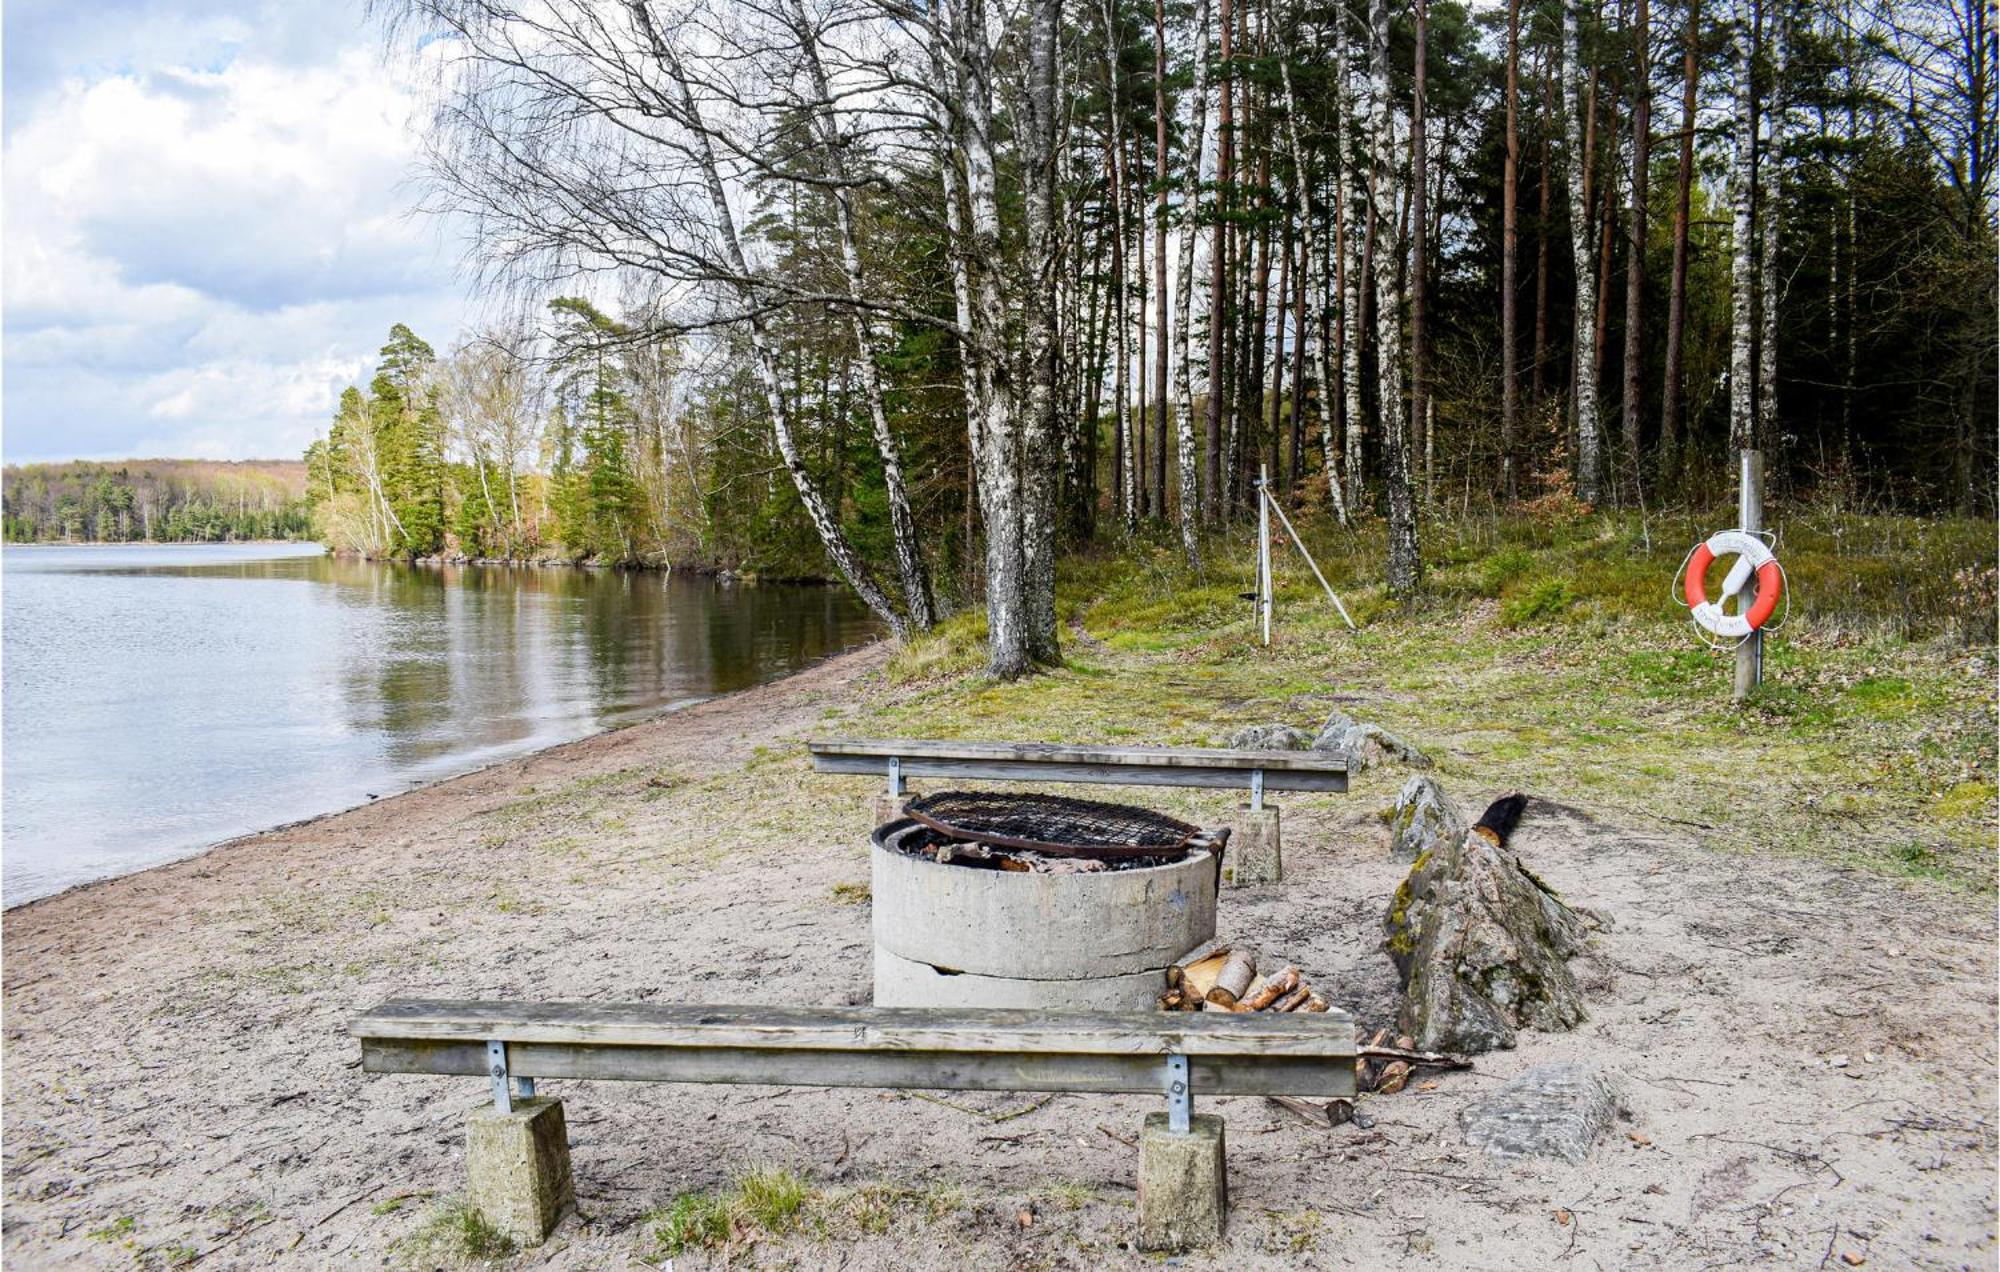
x=1752 y=554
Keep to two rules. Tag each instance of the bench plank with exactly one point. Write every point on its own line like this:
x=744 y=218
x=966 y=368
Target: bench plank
x=886 y=1029
x=1107 y=1073
x=1055 y=753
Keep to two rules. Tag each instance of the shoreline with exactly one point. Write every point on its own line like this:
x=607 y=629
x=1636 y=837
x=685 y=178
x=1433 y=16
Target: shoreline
x=657 y=718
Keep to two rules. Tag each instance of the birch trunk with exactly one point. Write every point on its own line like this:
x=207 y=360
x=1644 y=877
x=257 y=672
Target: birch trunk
x=1036 y=458
x=1742 y=243
x=1190 y=508
x=1350 y=254
x=1218 y=283
x=910 y=567
x=845 y=559
x=1589 y=464
x=1404 y=564
x=1307 y=258
x=1769 y=166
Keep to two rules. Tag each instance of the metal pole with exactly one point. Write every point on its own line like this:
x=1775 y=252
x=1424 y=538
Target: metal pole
x=1264 y=547
x=1750 y=519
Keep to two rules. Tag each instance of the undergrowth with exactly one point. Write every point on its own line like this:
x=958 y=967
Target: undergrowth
x=1553 y=654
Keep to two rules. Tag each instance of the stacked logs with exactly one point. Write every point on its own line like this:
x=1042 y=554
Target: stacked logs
x=1221 y=977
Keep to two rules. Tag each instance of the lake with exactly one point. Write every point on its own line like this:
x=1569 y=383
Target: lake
x=159 y=699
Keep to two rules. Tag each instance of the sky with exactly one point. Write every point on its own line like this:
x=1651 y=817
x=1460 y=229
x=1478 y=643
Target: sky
x=208 y=225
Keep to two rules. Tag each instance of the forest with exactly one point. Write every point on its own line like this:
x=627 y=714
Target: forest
x=928 y=295
x=155 y=500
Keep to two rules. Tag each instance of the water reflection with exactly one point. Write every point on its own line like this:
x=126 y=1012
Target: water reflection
x=158 y=699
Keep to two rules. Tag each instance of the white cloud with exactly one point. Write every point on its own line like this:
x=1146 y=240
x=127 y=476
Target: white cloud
x=200 y=251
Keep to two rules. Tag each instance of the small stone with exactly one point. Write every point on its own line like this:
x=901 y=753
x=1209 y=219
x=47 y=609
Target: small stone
x=1552 y=1110
x=1838 y=1062
x=1870 y=1057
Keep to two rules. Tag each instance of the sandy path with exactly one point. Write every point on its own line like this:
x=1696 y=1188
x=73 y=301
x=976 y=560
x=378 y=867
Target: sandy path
x=178 y=1080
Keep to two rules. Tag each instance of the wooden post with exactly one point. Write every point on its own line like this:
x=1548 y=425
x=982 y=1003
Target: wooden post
x=1750 y=519
x=1264 y=548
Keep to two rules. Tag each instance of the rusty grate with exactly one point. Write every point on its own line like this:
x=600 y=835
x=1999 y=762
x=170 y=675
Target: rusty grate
x=1054 y=825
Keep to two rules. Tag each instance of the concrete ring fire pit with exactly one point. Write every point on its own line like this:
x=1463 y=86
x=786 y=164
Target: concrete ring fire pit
x=952 y=935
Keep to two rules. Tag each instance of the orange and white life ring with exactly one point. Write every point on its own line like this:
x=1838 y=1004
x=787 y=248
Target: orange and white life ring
x=1752 y=555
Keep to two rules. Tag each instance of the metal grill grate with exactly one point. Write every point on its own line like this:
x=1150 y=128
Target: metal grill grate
x=1053 y=825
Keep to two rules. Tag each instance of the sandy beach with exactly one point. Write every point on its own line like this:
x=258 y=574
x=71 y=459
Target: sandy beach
x=1807 y=1056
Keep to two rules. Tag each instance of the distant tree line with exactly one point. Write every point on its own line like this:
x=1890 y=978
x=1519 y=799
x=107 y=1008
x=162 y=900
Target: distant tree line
x=158 y=501
x=924 y=293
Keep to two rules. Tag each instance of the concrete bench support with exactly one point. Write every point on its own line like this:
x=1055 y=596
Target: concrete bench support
x=517 y=1168
x=1255 y=855
x=1183 y=1185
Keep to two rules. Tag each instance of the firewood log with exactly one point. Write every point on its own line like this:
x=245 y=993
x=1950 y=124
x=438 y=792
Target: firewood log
x=1199 y=977
x=1277 y=987
x=1171 y=1000
x=1206 y=950
x=1233 y=981
x=1396 y=1073
x=1294 y=1000
x=1314 y=1003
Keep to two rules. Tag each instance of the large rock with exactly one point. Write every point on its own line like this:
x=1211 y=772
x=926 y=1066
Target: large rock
x=1365 y=744
x=1270 y=737
x=1425 y=820
x=1482 y=947
x=1552 y=1110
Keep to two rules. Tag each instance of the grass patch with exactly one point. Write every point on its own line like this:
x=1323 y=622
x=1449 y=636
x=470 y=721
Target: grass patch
x=851 y=894
x=454 y=1235
x=779 y=1203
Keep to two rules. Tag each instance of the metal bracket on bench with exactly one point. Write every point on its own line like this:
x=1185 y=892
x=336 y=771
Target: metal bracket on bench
x=1180 y=1095
x=1256 y=790
x=496 y=1069
x=895 y=776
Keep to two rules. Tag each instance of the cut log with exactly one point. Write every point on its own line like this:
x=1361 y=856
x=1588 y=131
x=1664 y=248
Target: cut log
x=1396 y=1073
x=1315 y=1003
x=1199 y=977
x=1200 y=953
x=1233 y=981
x=1294 y=1000
x=1273 y=989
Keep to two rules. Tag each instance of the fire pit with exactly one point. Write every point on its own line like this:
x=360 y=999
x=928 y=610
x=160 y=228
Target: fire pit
x=986 y=900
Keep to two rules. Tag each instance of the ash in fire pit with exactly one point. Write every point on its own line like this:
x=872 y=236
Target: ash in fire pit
x=1067 y=904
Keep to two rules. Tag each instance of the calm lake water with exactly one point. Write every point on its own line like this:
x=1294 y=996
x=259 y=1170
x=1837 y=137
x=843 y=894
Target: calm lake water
x=159 y=699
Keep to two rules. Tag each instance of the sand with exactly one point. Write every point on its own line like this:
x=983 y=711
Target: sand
x=1808 y=1053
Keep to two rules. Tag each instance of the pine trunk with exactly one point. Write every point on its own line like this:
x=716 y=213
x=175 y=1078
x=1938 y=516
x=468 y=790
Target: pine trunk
x=1510 y=180
x=1635 y=260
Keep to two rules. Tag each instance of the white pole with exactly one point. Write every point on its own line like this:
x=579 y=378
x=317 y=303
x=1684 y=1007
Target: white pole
x=1750 y=518
x=1301 y=545
x=1264 y=547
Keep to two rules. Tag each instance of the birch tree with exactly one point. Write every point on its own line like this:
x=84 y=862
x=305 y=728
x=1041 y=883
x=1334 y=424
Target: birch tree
x=1589 y=464
x=1404 y=563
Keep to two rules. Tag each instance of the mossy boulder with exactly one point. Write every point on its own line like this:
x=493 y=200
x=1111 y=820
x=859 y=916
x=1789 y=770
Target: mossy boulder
x=1424 y=819
x=1482 y=947
x=1270 y=737
x=1365 y=745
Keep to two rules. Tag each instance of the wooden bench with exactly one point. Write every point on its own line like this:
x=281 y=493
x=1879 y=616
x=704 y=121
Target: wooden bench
x=517 y=1151
x=1255 y=855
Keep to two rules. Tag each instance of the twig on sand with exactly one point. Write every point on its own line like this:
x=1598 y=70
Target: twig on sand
x=1115 y=1135
x=995 y=1118
x=1831 y=1237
